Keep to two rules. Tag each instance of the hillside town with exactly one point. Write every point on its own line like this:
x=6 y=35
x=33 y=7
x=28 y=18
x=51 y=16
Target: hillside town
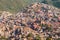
x=37 y=21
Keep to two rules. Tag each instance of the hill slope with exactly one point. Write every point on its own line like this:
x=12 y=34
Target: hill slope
x=17 y=5
x=14 y=5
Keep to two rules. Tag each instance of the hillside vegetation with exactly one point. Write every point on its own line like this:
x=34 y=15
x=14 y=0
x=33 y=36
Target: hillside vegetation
x=55 y=3
x=17 y=5
x=14 y=5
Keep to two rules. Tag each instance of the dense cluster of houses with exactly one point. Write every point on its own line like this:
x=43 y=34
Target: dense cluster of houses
x=37 y=21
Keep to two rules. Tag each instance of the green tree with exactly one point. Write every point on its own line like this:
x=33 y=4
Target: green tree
x=38 y=37
x=56 y=4
x=48 y=38
x=44 y=1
